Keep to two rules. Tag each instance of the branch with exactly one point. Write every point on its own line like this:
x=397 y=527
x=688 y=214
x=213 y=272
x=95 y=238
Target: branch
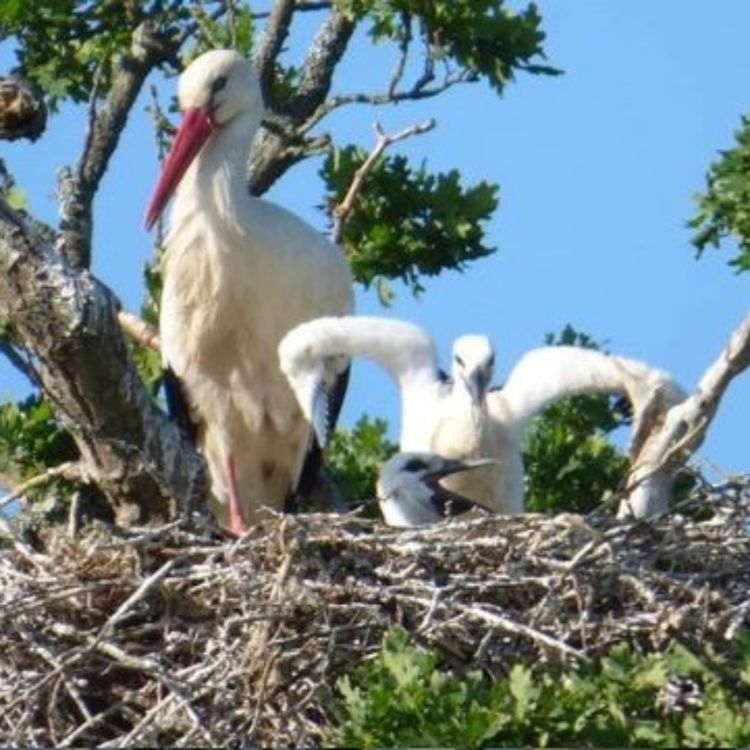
x=417 y=92
x=271 y=156
x=70 y=470
x=140 y=460
x=139 y=330
x=274 y=35
x=403 y=45
x=666 y=450
x=324 y=55
x=342 y=212
x=148 y=49
x=23 y=113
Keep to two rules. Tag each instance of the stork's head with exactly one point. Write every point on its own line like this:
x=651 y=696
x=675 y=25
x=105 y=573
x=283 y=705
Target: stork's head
x=473 y=364
x=409 y=489
x=212 y=91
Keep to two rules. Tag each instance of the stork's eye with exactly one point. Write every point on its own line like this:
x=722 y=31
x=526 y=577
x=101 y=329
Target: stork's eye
x=415 y=464
x=218 y=84
x=459 y=361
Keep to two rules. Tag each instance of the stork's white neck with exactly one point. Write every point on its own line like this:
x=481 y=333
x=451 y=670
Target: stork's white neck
x=218 y=176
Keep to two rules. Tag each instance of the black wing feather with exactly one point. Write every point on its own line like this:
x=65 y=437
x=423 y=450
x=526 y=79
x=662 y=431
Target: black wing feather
x=308 y=477
x=177 y=404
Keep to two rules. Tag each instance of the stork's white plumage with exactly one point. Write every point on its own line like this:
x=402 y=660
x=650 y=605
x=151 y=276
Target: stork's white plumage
x=238 y=273
x=442 y=415
x=460 y=417
x=409 y=490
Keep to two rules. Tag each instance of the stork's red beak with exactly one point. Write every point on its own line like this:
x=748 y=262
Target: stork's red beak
x=193 y=132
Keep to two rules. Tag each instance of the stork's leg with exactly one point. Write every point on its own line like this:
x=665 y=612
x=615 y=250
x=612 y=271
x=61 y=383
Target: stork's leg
x=237 y=521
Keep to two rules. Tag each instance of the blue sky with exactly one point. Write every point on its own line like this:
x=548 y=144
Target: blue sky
x=596 y=167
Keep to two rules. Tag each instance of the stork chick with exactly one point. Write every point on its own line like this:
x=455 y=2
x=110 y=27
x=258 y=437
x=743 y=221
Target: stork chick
x=409 y=490
x=461 y=417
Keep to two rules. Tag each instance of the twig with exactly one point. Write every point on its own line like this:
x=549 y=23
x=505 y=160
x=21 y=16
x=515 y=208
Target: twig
x=139 y=594
x=148 y=48
x=403 y=45
x=139 y=330
x=71 y=470
x=418 y=92
x=59 y=667
x=666 y=450
x=342 y=212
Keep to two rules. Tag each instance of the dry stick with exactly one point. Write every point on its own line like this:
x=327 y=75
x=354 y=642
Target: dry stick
x=68 y=470
x=138 y=664
x=509 y=626
x=96 y=719
x=138 y=330
x=59 y=667
x=342 y=212
x=667 y=449
x=139 y=594
x=21 y=547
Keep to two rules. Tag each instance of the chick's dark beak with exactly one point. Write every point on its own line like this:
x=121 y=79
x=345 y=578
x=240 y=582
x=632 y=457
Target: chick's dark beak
x=454 y=466
x=478 y=383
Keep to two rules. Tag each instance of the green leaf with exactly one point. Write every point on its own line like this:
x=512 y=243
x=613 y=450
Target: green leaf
x=723 y=209
x=408 y=223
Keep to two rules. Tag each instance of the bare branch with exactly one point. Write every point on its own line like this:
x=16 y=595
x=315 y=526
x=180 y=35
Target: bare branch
x=271 y=155
x=670 y=444
x=342 y=212
x=138 y=330
x=404 y=43
x=274 y=35
x=325 y=52
x=139 y=459
x=148 y=49
x=415 y=93
x=68 y=470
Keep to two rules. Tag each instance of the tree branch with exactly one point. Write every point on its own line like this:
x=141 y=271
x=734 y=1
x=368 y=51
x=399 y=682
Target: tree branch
x=666 y=450
x=139 y=459
x=148 y=49
x=415 y=93
x=342 y=212
x=403 y=45
x=274 y=35
x=70 y=470
x=139 y=330
x=271 y=155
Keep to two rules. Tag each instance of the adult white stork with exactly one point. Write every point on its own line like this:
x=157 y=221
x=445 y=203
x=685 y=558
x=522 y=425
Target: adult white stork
x=409 y=490
x=238 y=273
x=460 y=417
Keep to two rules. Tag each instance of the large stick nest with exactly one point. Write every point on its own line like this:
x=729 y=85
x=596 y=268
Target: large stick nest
x=176 y=636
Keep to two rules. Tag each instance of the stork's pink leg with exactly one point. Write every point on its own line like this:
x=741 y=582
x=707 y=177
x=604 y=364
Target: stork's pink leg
x=237 y=521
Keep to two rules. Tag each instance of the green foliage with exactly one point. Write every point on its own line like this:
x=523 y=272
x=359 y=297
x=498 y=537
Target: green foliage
x=724 y=208
x=484 y=37
x=233 y=31
x=407 y=222
x=31 y=438
x=570 y=463
x=64 y=45
x=355 y=456
x=625 y=699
